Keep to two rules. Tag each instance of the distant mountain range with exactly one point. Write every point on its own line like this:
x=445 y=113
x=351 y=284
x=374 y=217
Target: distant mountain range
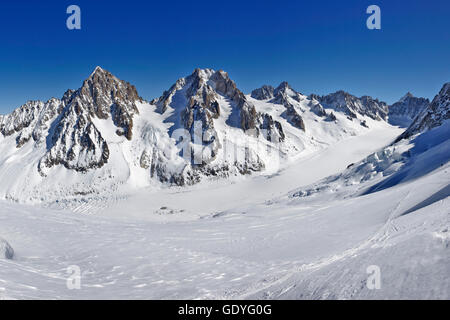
x=104 y=137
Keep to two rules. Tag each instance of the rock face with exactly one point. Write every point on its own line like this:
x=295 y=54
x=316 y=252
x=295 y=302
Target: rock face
x=197 y=100
x=66 y=126
x=432 y=116
x=263 y=93
x=285 y=96
x=30 y=121
x=196 y=105
x=403 y=112
x=76 y=142
x=209 y=107
x=352 y=106
x=6 y=251
x=272 y=129
x=339 y=101
x=226 y=87
x=103 y=95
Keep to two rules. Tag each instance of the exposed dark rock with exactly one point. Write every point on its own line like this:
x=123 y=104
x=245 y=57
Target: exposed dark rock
x=75 y=141
x=283 y=94
x=331 y=117
x=351 y=105
x=20 y=118
x=145 y=160
x=272 y=129
x=432 y=116
x=317 y=108
x=104 y=95
x=403 y=112
x=6 y=251
x=263 y=93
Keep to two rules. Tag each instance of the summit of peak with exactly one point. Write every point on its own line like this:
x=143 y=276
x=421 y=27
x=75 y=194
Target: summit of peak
x=103 y=78
x=446 y=86
x=285 y=88
x=406 y=96
x=283 y=85
x=98 y=70
x=101 y=75
x=341 y=93
x=203 y=73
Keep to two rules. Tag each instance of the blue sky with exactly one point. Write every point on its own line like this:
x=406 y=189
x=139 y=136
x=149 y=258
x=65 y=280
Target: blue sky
x=317 y=46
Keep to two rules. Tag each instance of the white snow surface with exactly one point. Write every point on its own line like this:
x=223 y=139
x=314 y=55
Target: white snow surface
x=249 y=237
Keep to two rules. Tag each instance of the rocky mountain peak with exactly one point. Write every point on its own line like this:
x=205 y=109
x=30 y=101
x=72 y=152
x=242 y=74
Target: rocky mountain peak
x=282 y=87
x=201 y=97
x=102 y=89
x=264 y=93
x=201 y=75
x=98 y=71
x=352 y=105
x=76 y=142
x=432 y=116
x=103 y=96
x=406 y=96
x=403 y=112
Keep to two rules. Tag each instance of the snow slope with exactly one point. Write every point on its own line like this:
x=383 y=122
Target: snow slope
x=214 y=197
x=290 y=247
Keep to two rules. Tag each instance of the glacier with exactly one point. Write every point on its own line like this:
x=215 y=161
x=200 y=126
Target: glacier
x=96 y=180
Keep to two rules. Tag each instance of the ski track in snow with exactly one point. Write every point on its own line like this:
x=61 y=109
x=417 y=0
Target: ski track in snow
x=226 y=241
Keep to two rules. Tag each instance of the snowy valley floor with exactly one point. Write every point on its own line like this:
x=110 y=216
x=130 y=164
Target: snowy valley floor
x=227 y=241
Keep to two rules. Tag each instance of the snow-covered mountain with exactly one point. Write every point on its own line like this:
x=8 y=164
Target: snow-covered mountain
x=298 y=107
x=253 y=239
x=400 y=162
x=433 y=115
x=403 y=112
x=104 y=137
x=263 y=93
x=216 y=124
x=422 y=148
x=353 y=106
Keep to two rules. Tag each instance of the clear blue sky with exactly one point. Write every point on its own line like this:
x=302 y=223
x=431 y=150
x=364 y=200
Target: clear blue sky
x=318 y=46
